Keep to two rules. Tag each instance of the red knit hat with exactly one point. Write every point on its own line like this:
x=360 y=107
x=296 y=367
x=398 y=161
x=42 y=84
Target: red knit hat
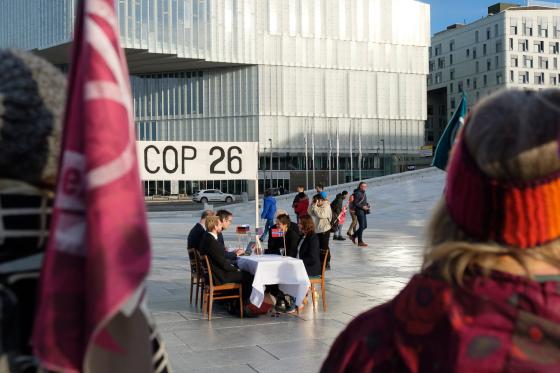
x=521 y=214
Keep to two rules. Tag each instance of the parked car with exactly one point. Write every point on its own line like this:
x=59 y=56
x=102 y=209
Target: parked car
x=209 y=195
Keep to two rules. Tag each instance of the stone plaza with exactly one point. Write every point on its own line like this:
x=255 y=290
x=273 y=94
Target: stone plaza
x=360 y=278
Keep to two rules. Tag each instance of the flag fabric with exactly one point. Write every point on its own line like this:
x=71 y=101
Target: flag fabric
x=98 y=254
x=445 y=143
x=276 y=233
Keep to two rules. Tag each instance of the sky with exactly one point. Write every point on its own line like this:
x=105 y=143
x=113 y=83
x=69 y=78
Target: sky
x=448 y=12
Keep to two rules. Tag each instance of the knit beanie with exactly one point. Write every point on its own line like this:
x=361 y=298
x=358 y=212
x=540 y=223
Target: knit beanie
x=503 y=181
x=32 y=100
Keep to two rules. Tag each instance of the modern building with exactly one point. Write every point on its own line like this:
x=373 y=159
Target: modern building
x=512 y=47
x=302 y=77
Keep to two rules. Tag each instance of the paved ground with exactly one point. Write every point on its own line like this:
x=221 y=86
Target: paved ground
x=359 y=280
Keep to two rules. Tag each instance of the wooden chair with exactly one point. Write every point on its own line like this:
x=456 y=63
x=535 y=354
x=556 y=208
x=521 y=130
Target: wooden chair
x=320 y=281
x=217 y=292
x=196 y=280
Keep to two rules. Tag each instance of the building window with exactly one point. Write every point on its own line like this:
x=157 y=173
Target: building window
x=523 y=45
x=438 y=77
x=496 y=31
x=496 y=62
x=488 y=34
x=511 y=76
x=524 y=77
x=539 y=78
x=451 y=74
x=484 y=49
x=553 y=80
x=450 y=59
x=555 y=63
x=510 y=44
x=476 y=36
x=430 y=51
x=474 y=53
x=553 y=47
x=468 y=83
x=499 y=78
x=543 y=63
x=513 y=30
x=514 y=61
x=476 y=67
x=451 y=88
x=452 y=103
x=467 y=52
x=488 y=64
x=528 y=62
x=441 y=63
x=432 y=66
x=451 y=45
x=437 y=50
x=474 y=83
x=538 y=46
x=460 y=87
x=485 y=80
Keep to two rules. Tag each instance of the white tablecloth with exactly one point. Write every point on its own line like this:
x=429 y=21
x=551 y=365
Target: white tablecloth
x=289 y=273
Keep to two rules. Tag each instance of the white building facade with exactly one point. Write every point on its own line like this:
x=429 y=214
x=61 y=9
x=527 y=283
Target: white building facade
x=290 y=74
x=513 y=47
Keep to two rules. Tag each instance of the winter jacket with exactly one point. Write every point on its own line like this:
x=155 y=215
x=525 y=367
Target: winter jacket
x=309 y=254
x=322 y=216
x=301 y=204
x=291 y=239
x=360 y=200
x=336 y=204
x=269 y=208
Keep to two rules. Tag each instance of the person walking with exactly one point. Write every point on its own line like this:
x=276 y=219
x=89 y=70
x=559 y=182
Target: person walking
x=361 y=209
x=321 y=213
x=268 y=212
x=354 y=222
x=300 y=203
x=338 y=209
x=487 y=296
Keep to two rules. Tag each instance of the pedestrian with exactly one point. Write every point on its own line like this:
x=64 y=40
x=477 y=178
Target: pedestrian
x=268 y=212
x=354 y=223
x=300 y=203
x=487 y=297
x=320 y=211
x=361 y=209
x=319 y=188
x=339 y=213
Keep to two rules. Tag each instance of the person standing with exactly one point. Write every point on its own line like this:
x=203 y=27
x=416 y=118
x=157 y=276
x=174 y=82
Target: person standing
x=300 y=203
x=321 y=213
x=268 y=212
x=338 y=209
x=361 y=209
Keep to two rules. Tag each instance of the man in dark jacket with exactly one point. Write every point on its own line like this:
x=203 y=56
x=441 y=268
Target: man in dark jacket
x=361 y=208
x=223 y=271
x=226 y=219
x=336 y=206
x=289 y=236
x=197 y=232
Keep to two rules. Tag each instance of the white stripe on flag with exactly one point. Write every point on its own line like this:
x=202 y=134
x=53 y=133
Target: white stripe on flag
x=103 y=90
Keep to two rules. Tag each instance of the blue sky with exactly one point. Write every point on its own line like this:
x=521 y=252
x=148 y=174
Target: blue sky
x=447 y=12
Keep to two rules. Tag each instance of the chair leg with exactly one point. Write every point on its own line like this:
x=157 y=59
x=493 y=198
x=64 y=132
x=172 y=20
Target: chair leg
x=192 y=284
x=240 y=303
x=313 y=295
x=210 y=305
x=324 y=296
x=203 y=289
x=203 y=302
x=197 y=289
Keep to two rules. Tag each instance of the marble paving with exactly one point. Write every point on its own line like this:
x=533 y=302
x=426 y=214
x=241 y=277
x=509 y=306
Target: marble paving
x=360 y=278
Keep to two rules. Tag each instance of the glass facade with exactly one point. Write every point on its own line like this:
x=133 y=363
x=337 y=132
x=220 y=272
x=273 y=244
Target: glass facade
x=315 y=72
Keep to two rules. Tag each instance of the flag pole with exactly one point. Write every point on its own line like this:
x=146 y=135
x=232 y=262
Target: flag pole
x=306 y=157
x=337 y=152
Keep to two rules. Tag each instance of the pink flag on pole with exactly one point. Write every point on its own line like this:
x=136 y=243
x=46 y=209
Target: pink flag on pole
x=98 y=255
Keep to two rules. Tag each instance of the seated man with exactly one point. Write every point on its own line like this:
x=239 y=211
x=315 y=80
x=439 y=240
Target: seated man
x=197 y=232
x=226 y=218
x=223 y=271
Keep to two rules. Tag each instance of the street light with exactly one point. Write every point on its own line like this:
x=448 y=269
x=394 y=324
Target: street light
x=382 y=141
x=270 y=140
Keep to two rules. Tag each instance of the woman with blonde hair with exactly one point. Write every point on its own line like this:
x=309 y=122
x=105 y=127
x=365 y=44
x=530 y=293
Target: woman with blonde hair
x=488 y=296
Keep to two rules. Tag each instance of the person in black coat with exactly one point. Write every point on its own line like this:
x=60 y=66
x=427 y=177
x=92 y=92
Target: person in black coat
x=290 y=239
x=223 y=271
x=197 y=232
x=226 y=218
x=309 y=251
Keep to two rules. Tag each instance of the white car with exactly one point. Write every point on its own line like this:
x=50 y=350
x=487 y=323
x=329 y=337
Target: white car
x=209 y=195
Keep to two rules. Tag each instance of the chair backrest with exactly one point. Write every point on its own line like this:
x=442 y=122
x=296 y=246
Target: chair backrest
x=324 y=264
x=206 y=270
x=192 y=259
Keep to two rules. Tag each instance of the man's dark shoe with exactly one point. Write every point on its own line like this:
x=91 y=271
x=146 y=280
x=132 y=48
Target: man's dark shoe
x=362 y=244
x=353 y=238
x=340 y=238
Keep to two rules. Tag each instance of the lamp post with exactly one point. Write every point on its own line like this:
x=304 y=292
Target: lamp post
x=382 y=141
x=270 y=140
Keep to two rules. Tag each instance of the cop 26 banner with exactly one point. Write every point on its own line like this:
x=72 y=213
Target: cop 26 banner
x=204 y=160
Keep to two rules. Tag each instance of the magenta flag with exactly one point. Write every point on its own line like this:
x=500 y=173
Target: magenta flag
x=98 y=254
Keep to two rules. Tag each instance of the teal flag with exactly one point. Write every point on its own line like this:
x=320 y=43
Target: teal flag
x=441 y=155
